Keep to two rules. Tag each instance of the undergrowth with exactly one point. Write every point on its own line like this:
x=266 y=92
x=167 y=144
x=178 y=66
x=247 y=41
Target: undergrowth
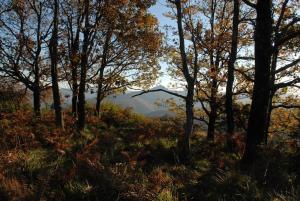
x=125 y=156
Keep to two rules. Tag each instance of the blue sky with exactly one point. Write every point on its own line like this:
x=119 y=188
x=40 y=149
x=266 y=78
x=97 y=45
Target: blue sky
x=158 y=10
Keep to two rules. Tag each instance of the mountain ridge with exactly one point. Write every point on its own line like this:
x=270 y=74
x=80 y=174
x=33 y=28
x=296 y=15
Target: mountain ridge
x=145 y=104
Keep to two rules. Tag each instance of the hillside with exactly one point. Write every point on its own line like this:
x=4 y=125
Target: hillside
x=128 y=157
x=144 y=104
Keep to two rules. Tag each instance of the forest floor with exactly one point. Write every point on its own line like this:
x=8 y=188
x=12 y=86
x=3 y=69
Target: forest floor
x=125 y=156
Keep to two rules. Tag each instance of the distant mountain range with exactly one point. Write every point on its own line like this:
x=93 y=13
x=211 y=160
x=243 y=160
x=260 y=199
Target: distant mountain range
x=143 y=104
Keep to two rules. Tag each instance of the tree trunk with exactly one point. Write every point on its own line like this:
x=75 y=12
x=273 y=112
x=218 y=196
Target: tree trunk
x=211 y=126
x=74 y=61
x=102 y=68
x=74 y=64
x=74 y=90
x=261 y=91
x=268 y=121
x=272 y=91
x=54 y=76
x=37 y=88
x=84 y=66
x=213 y=71
x=213 y=112
x=230 y=79
x=188 y=129
x=99 y=93
x=37 y=101
x=81 y=105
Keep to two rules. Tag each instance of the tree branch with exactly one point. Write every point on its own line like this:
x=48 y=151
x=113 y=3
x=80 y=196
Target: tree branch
x=286 y=84
x=249 y=3
x=204 y=107
x=283 y=9
x=285 y=106
x=244 y=74
x=290 y=36
x=156 y=90
x=245 y=58
x=201 y=119
x=287 y=66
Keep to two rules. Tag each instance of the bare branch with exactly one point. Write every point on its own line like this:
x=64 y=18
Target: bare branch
x=283 y=9
x=253 y=5
x=246 y=58
x=204 y=108
x=286 y=84
x=287 y=66
x=201 y=119
x=286 y=106
x=290 y=36
x=156 y=90
x=245 y=75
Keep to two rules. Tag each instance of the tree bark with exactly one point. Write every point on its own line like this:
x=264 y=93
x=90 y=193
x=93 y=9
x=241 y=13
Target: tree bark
x=74 y=98
x=261 y=91
x=188 y=129
x=84 y=66
x=99 y=92
x=268 y=120
x=230 y=76
x=37 y=88
x=74 y=66
x=74 y=61
x=213 y=112
x=189 y=124
x=37 y=100
x=272 y=90
x=101 y=75
x=214 y=64
x=54 y=61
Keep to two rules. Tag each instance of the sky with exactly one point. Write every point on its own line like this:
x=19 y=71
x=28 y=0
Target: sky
x=158 y=10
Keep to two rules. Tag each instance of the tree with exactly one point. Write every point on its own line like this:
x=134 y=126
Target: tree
x=54 y=61
x=87 y=41
x=209 y=53
x=261 y=89
x=190 y=80
x=186 y=69
x=217 y=48
x=276 y=38
x=24 y=32
x=72 y=19
x=179 y=59
x=130 y=43
x=213 y=42
x=284 y=65
x=230 y=67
